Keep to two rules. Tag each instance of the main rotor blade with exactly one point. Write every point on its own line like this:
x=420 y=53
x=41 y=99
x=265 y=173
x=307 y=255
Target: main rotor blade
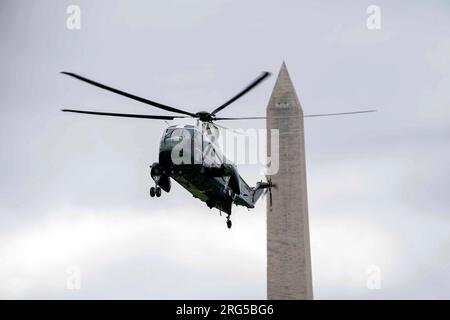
x=128 y=95
x=243 y=118
x=124 y=115
x=336 y=114
x=240 y=94
x=305 y=116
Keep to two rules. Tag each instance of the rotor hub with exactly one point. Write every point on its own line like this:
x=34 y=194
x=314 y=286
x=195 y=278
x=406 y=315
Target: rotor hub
x=204 y=116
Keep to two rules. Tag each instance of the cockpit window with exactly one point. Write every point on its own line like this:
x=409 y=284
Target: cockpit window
x=178 y=132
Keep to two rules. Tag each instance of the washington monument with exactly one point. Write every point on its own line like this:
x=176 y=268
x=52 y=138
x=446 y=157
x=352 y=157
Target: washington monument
x=288 y=248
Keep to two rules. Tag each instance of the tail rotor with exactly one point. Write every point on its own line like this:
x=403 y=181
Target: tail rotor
x=268 y=189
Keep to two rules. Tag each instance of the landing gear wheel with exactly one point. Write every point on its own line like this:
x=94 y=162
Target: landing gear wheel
x=152 y=192
x=229 y=223
x=158 y=192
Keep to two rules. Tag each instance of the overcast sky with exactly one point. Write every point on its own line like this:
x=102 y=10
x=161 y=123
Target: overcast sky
x=74 y=189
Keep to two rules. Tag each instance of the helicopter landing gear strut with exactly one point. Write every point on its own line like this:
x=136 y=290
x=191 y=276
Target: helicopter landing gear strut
x=229 y=224
x=155 y=191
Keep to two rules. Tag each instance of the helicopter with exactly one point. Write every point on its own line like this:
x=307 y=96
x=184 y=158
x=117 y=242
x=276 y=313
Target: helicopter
x=189 y=155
